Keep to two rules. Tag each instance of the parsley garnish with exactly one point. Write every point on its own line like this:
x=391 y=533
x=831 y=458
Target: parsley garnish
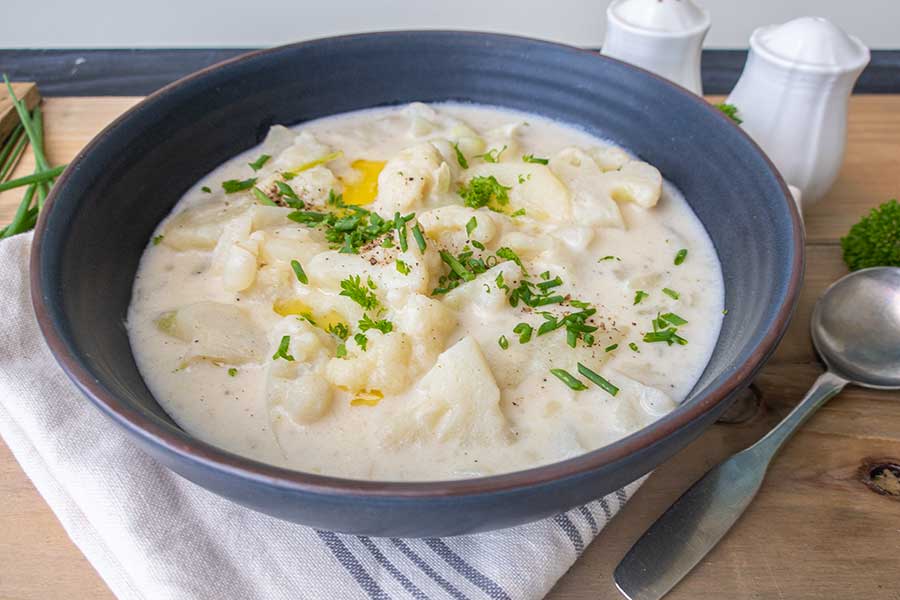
x=460 y=157
x=232 y=372
x=531 y=158
x=283 y=348
x=568 y=379
x=633 y=346
x=299 y=272
x=233 y=185
x=731 y=111
x=610 y=348
x=361 y=340
x=341 y=350
x=353 y=288
x=509 y=254
x=640 y=295
x=288 y=195
x=257 y=164
x=263 y=199
x=680 y=256
x=157 y=239
x=339 y=330
x=610 y=257
x=482 y=191
x=382 y=325
x=349 y=228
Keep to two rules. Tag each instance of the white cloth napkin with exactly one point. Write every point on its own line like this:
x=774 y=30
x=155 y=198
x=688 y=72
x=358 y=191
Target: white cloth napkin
x=153 y=535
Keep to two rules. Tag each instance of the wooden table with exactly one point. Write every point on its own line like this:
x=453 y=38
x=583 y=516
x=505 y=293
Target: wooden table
x=815 y=531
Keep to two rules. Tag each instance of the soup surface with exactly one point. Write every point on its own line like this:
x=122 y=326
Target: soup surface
x=425 y=292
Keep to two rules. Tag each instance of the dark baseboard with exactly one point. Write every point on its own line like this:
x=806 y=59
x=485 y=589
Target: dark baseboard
x=140 y=72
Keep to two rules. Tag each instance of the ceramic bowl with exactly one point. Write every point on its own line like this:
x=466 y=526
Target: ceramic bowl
x=105 y=206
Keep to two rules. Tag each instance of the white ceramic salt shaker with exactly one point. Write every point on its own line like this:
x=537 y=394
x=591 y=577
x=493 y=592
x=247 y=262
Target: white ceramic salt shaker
x=662 y=36
x=793 y=95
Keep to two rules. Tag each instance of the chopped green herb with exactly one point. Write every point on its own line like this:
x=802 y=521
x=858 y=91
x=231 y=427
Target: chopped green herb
x=299 y=272
x=731 y=111
x=353 y=288
x=341 y=350
x=232 y=372
x=669 y=336
x=361 y=340
x=289 y=195
x=531 y=158
x=339 y=330
x=518 y=213
x=420 y=239
x=509 y=254
x=610 y=257
x=402 y=267
x=597 y=379
x=157 y=239
x=523 y=330
x=725 y=311
x=633 y=346
x=680 y=256
x=382 y=325
x=233 y=185
x=257 y=164
x=674 y=319
x=611 y=347
x=206 y=189
x=501 y=285
x=477 y=244
x=546 y=285
x=308 y=318
x=639 y=296
x=671 y=293
x=568 y=379
x=263 y=199
x=470 y=226
x=456 y=266
x=283 y=348
x=460 y=157
x=482 y=191
x=492 y=156
x=503 y=342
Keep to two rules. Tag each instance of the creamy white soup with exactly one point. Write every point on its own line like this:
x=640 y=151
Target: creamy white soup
x=425 y=292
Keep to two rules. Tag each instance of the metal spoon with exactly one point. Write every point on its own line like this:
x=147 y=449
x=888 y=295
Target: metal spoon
x=856 y=330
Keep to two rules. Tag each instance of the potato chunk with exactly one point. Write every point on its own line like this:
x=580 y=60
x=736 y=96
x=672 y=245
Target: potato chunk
x=532 y=187
x=408 y=179
x=216 y=332
x=199 y=227
x=298 y=388
x=383 y=366
x=457 y=400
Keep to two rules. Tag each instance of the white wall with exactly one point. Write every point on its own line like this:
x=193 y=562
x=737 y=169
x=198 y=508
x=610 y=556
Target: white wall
x=212 y=23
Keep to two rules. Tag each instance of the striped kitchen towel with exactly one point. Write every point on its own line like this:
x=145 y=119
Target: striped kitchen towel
x=153 y=535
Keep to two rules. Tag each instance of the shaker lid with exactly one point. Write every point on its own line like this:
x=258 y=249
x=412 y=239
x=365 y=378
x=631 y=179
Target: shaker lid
x=813 y=41
x=664 y=16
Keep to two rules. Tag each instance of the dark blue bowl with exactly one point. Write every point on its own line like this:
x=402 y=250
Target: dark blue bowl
x=105 y=206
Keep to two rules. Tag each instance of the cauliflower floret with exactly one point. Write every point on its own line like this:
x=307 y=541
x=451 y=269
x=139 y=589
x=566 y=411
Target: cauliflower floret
x=532 y=187
x=215 y=332
x=297 y=388
x=592 y=201
x=428 y=323
x=408 y=178
x=384 y=365
x=457 y=400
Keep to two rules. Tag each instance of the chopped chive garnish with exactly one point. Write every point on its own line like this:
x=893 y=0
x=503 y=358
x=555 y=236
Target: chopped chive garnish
x=257 y=164
x=523 y=330
x=263 y=199
x=671 y=293
x=640 y=295
x=232 y=372
x=600 y=381
x=206 y=189
x=611 y=347
x=232 y=186
x=471 y=225
x=531 y=158
x=400 y=226
x=545 y=275
x=549 y=325
x=460 y=157
x=633 y=346
x=503 y=342
x=283 y=348
x=420 y=239
x=674 y=319
x=568 y=379
x=157 y=239
x=680 y=256
x=299 y=272
x=571 y=337
x=456 y=266
x=509 y=254
x=725 y=311
x=552 y=283
x=477 y=244
x=484 y=190
x=546 y=300
x=402 y=267
x=610 y=257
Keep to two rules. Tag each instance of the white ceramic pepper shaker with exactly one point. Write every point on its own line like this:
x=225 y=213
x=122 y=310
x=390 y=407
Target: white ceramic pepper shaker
x=793 y=95
x=662 y=36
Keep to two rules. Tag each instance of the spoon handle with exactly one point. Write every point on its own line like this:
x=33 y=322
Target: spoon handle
x=695 y=523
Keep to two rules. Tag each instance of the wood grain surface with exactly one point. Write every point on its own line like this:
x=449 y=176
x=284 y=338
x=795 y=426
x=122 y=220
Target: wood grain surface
x=815 y=531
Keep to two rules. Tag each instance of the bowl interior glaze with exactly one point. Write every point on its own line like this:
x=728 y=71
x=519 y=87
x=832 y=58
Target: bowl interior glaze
x=105 y=207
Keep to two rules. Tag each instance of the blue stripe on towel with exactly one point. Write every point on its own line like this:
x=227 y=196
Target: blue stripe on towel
x=488 y=585
x=408 y=585
x=566 y=524
x=353 y=566
x=426 y=568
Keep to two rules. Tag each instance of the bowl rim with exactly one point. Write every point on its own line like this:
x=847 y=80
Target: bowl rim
x=200 y=453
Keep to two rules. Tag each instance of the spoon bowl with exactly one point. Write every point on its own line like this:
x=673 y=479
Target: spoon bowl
x=856 y=327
